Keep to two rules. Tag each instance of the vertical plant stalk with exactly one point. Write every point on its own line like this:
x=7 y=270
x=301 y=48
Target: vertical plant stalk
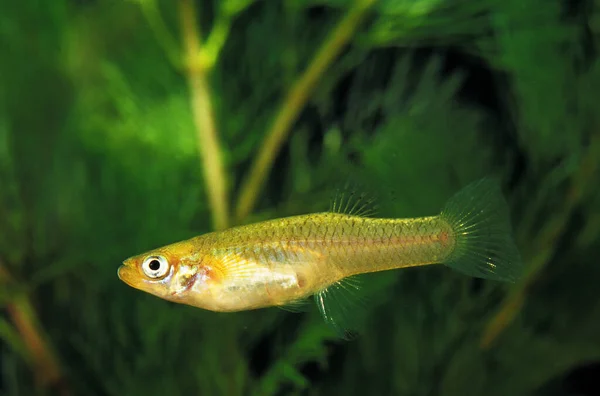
x=204 y=119
x=545 y=245
x=39 y=352
x=294 y=102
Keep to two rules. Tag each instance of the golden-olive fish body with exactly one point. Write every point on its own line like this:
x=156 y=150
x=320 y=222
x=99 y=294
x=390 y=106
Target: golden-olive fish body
x=281 y=262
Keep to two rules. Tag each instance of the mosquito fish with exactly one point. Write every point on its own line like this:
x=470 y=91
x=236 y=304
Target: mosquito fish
x=281 y=262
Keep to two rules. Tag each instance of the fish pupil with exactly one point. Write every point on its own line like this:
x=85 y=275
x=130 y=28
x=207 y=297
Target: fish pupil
x=154 y=265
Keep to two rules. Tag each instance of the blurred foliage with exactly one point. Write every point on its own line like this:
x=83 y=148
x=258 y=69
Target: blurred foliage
x=99 y=161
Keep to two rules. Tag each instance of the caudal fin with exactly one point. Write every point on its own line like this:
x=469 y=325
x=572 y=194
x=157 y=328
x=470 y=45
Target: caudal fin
x=484 y=248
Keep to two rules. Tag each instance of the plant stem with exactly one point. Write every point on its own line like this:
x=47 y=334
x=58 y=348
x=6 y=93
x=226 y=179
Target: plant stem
x=294 y=102
x=216 y=39
x=45 y=364
x=158 y=26
x=204 y=119
x=545 y=245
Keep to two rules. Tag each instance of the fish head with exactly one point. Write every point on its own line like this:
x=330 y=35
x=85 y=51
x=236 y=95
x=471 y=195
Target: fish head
x=175 y=273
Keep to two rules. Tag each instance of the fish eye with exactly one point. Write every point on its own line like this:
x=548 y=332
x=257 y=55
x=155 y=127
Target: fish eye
x=155 y=266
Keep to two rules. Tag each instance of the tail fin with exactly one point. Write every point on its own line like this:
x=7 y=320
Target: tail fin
x=484 y=248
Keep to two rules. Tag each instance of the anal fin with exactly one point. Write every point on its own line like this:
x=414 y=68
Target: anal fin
x=342 y=307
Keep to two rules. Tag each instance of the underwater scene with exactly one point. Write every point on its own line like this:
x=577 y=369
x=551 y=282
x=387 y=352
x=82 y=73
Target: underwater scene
x=300 y=197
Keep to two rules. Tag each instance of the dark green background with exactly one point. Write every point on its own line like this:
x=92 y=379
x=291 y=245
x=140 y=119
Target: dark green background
x=99 y=161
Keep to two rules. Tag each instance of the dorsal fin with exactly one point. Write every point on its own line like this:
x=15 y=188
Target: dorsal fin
x=349 y=201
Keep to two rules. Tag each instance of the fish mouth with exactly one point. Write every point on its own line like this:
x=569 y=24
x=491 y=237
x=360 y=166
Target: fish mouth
x=127 y=274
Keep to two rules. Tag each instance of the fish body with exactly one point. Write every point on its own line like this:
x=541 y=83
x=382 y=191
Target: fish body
x=282 y=261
